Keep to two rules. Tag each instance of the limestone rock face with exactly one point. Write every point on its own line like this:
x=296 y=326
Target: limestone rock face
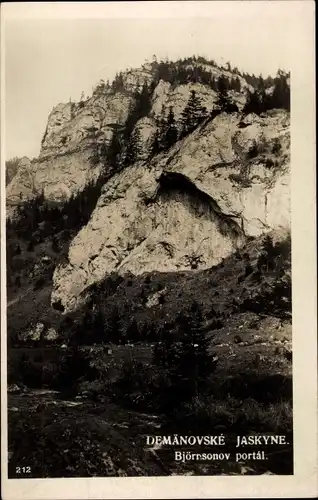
x=21 y=187
x=147 y=128
x=73 y=132
x=166 y=96
x=133 y=79
x=76 y=130
x=187 y=208
x=74 y=126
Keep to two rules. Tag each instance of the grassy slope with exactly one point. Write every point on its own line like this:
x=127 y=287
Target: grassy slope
x=251 y=386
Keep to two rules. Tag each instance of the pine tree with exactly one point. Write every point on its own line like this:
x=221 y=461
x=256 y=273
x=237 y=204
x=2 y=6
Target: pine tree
x=213 y=84
x=143 y=101
x=183 y=356
x=236 y=84
x=224 y=102
x=170 y=132
x=133 y=333
x=138 y=108
x=192 y=114
x=98 y=325
x=17 y=250
x=118 y=82
x=113 y=151
x=163 y=71
x=17 y=282
x=95 y=158
x=260 y=101
x=281 y=92
x=112 y=325
x=261 y=93
x=133 y=148
x=253 y=103
x=30 y=246
x=156 y=143
x=194 y=362
x=55 y=245
x=103 y=151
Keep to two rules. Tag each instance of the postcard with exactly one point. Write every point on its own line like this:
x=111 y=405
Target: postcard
x=158 y=273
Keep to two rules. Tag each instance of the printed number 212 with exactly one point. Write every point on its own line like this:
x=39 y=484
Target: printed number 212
x=23 y=470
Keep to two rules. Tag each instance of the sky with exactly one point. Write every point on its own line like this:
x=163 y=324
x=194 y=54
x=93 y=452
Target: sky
x=50 y=59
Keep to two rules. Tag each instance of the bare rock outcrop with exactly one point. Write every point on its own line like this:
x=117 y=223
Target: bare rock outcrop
x=76 y=130
x=188 y=208
x=21 y=187
x=73 y=132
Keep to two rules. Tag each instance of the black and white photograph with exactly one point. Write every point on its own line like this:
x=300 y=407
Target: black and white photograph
x=148 y=243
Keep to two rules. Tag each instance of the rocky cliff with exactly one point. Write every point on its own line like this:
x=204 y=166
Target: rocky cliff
x=75 y=130
x=64 y=165
x=187 y=208
x=184 y=208
x=173 y=271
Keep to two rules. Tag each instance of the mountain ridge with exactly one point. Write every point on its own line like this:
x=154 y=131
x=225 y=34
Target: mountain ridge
x=149 y=270
x=161 y=120
x=80 y=127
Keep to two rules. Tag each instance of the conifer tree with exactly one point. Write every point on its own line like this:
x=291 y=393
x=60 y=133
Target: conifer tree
x=133 y=333
x=97 y=324
x=236 y=84
x=281 y=92
x=156 y=143
x=103 y=151
x=260 y=101
x=133 y=148
x=118 y=82
x=183 y=356
x=192 y=114
x=112 y=325
x=261 y=93
x=113 y=151
x=253 y=103
x=224 y=102
x=143 y=101
x=213 y=84
x=55 y=245
x=194 y=362
x=30 y=246
x=170 y=132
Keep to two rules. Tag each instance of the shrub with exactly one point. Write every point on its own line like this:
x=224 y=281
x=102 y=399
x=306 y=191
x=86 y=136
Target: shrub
x=277 y=147
x=30 y=372
x=39 y=283
x=161 y=299
x=17 y=281
x=248 y=270
x=253 y=151
x=240 y=179
x=205 y=413
x=73 y=366
x=194 y=260
x=139 y=385
x=269 y=163
x=216 y=324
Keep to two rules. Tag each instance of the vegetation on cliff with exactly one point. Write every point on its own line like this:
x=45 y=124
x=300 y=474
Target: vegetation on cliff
x=187 y=351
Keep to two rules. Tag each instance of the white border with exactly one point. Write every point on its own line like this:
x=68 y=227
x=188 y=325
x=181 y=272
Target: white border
x=304 y=481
